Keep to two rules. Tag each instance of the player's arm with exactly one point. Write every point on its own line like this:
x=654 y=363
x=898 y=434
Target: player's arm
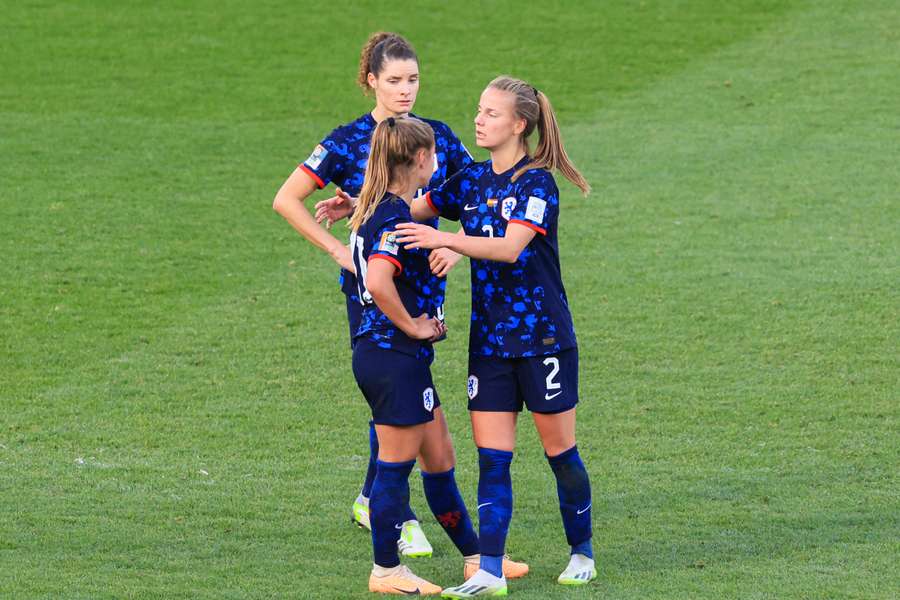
x=381 y=286
x=289 y=204
x=501 y=249
x=421 y=209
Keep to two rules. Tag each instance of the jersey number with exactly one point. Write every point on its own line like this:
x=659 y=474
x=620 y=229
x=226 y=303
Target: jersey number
x=356 y=250
x=553 y=363
x=489 y=229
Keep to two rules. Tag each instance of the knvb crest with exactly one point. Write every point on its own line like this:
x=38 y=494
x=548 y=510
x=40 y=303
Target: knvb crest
x=472 y=387
x=428 y=399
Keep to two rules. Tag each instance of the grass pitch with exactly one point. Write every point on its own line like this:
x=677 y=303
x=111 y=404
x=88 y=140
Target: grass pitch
x=179 y=419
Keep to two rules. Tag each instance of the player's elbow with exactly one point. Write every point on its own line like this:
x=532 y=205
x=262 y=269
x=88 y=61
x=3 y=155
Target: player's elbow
x=278 y=203
x=510 y=255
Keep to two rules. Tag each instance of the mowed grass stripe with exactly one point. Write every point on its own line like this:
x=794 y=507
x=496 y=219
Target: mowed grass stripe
x=684 y=470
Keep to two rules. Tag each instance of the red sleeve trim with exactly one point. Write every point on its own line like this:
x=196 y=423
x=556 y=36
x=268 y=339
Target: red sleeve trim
x=390 y=259
x=312 y=174
x=530 y=225
x=430 y=203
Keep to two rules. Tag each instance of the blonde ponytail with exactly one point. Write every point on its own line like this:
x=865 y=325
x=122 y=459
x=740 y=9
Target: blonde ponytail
x=550 y=154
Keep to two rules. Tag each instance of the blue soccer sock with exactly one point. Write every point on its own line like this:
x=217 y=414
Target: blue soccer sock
x=373 y=457
x=408 y=514
x=450 y=510
x=574 y=490
x=494 y=506
x=390 y=499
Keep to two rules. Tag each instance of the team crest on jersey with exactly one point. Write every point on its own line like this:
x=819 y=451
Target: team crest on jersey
x=507 y=207
x=535 y=209
x=428 y=399
x=472 y=387
x=389 y=243
x=315 y=159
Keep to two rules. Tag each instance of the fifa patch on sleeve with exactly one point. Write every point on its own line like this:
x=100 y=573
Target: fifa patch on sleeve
x=315 y=159
x=389 y=243
x=535 y=209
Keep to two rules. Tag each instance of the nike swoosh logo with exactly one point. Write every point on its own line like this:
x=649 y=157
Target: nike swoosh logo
x=400 y=526
x=485 y=504
x=549 y=397
x=412 y=592
x=467 y=207
x=583 y=509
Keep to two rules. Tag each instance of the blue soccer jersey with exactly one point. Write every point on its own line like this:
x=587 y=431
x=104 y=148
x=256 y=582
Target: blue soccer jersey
x=518 y=309
x=420 y=290
x=341 y=158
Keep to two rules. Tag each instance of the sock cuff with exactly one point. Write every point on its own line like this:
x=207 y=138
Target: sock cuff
x=563 y=457
x=445 y=475
x=497 y=455
x=396 y=466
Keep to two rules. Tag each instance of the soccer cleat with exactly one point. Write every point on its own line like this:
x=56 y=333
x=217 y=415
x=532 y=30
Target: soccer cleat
x=413 y=542
x=401 y=581
x=360 y=514
x=579 y=571
x=511 y=568
x=481 y=583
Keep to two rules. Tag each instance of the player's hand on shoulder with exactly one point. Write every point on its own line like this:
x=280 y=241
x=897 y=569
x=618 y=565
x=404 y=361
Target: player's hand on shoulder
x=417 y=235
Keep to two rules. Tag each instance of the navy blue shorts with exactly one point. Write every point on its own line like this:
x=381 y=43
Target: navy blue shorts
x=397 y=386
x=545 y=384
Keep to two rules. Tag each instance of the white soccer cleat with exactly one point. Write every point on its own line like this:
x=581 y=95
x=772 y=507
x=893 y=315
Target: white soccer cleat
x=413 y=542
x=481 y=583
x=360 y=514
x=579 y=571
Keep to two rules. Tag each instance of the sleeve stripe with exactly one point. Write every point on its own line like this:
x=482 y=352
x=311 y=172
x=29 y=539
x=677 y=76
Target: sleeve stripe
x=312 y=174
x=530 y=225
x=390 y=259
x=430 y=203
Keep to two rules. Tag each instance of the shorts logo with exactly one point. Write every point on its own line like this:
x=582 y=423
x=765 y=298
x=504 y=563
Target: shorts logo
x=428 y=399
x=472 y=387
x=535 y=209
x=389 y=243
x=507 y=208
x=315 y=159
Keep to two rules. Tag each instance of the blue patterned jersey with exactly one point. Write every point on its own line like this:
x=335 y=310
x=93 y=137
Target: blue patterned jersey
x=420 y=290
x=341 y=158
x=518 y=309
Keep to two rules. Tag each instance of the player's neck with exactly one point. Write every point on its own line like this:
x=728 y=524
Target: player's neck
x=404 y=191
x=506 y=156
x=380 y=113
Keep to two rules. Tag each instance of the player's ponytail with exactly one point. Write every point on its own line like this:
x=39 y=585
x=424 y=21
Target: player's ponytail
x=550 y=154
x=395 y=143
x=378 y=49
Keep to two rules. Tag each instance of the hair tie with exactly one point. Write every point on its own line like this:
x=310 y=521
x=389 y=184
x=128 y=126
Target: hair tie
x=391 y=121
x=534 y=89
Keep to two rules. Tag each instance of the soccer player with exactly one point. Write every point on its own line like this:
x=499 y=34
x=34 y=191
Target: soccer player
x=522 y=347
x=402 y=306
x=389 y=68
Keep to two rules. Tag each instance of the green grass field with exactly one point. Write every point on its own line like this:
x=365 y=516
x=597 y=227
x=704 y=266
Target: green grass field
x=179 y=419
